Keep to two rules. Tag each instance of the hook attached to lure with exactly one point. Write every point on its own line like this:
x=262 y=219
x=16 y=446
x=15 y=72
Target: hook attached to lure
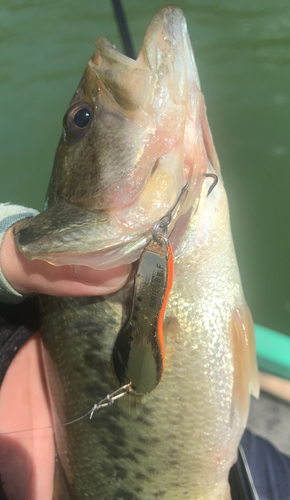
x=138 y=353
x=213 y=185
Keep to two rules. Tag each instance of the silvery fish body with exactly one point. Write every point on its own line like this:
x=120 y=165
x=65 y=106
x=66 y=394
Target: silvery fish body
x=120 y=167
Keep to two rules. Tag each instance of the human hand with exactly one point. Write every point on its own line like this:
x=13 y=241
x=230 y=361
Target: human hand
x=27 y=458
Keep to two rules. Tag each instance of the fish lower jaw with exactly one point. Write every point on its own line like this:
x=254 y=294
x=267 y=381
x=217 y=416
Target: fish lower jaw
x=81 y=249
x=112 y=258
x=100 y=260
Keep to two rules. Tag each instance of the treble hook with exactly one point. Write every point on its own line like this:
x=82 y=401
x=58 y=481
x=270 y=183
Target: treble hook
x=215 y=177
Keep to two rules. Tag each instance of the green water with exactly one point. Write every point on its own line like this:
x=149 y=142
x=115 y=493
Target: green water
x=242 y=48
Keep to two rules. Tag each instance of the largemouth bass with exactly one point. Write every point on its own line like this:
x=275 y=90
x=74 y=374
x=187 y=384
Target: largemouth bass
x=135 y=147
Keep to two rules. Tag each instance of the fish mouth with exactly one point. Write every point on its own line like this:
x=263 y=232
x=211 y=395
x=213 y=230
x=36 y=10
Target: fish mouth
x=85 y=240
x=92 y=239
x=102 y=218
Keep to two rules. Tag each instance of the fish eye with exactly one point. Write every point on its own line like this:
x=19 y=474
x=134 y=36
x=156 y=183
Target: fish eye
x=82 y=118
x=77 y=118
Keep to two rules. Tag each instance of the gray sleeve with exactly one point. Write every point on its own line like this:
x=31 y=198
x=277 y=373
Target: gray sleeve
x=9 y=215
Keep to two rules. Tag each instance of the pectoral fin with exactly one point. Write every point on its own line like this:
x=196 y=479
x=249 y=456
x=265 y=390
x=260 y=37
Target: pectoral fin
x=246 y=380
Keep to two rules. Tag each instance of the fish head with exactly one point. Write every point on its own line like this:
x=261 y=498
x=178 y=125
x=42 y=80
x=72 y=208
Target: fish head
x=104 y=134
x=134 y=134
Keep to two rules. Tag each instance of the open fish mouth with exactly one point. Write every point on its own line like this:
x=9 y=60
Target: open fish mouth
x=134 y=134
x=83 y=242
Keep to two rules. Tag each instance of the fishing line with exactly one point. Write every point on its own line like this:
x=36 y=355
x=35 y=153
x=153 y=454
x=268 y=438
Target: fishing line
x=107 y=401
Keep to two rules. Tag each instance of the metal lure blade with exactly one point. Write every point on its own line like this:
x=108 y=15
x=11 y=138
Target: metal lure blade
x=138 y=353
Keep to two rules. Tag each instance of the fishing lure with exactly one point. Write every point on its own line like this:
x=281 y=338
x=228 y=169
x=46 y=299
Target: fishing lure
x=138 y=353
